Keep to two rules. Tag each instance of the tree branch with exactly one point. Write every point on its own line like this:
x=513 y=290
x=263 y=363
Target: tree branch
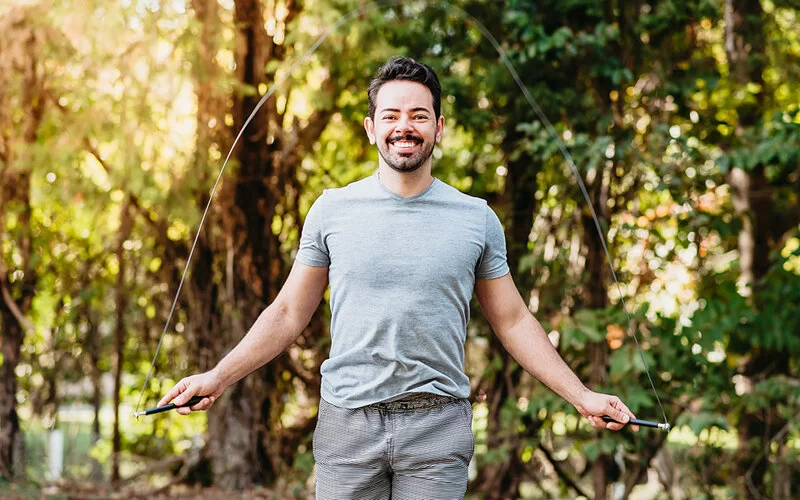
x=779 y=435
x=13 y=307
x=561 y=474
x=160 y=226
x=188 y=461
x=643 y=464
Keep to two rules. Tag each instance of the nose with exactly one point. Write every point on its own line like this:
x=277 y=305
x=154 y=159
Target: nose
x=403 y=125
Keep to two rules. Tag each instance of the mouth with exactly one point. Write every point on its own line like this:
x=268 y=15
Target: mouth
x=405 y=144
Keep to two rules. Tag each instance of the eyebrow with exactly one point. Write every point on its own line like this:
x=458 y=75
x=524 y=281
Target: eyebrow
x=413 y=110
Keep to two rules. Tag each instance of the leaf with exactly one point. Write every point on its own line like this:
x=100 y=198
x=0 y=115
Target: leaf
x=620 y=362
x=304 y=462
x=591 y=450
x=704 y=421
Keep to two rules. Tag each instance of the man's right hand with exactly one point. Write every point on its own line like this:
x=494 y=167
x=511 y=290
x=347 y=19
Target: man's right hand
x=204 y=384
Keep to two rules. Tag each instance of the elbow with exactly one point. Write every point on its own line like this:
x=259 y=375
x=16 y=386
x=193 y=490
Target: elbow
x=514 y=322
x=519 y=316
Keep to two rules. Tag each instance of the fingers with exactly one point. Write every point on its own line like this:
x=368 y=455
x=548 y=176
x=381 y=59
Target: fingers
x=190 y=389
x=612 y=407
x=621 y=412
x=599 y=423
x=173 y=393
x=617 y=410
x=203 y=405
x=205 y=385
x=181 y=393
x=628 y=413
x=624 y=414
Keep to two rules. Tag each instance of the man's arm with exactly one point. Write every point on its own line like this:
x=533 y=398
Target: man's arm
x=275 y=329
x=526 y=341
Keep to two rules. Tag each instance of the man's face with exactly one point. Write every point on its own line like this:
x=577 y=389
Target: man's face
x=405 y=128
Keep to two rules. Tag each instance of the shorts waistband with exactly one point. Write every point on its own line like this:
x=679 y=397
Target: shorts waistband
x=412 y=402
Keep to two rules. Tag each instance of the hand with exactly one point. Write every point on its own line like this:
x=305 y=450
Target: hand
x=203 y=384
x=594 y=405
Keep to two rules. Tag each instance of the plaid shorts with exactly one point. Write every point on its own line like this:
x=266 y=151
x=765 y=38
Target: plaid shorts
x=415 y=448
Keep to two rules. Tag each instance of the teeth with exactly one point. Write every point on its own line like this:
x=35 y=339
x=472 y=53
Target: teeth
x=404 y=144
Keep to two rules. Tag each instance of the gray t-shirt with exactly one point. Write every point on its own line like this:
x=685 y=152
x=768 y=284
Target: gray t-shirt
x=402 y=272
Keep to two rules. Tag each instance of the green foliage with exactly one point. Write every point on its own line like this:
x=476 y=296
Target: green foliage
x=590 y=325
x=773 y=147
x=703 y=421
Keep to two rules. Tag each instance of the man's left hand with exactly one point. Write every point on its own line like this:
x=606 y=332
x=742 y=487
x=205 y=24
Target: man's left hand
x=594 y=405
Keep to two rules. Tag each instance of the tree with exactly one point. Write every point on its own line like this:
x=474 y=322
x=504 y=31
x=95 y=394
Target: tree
x=768 y=212
x=21 y=76
x=238 y=275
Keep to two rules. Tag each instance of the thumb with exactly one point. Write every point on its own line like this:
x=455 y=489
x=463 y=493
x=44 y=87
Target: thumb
x=616 y=414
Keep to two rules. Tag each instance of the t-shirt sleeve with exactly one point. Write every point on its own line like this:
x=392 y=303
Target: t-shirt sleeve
x=313 y=249
x=493 y=263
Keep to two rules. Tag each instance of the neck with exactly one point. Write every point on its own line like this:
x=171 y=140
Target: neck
x=405 y=184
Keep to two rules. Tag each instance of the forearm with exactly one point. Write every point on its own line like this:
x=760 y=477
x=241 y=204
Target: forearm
x=270 y=335
x=525 y=339
x=527 y=342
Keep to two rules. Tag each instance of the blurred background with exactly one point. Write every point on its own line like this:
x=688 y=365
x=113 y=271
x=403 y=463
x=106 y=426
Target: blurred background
x=683 y=118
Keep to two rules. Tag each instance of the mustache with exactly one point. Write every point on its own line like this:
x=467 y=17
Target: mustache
x=407 y=137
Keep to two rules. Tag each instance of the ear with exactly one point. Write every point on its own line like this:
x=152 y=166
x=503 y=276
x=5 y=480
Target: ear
x=439 y=129
x=369 y=126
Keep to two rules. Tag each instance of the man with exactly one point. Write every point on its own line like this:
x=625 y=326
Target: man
x=403 y=253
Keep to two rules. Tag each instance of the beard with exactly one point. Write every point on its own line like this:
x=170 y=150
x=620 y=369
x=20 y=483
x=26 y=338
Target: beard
x=409 y=162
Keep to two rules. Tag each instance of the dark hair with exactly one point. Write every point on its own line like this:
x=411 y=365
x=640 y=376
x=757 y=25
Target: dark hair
x=405 y=68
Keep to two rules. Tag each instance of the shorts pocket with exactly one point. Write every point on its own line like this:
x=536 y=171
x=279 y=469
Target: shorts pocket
x=465 y=419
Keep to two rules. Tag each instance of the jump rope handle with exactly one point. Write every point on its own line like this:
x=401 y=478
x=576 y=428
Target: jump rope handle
x=639 y=422
x=158 y=409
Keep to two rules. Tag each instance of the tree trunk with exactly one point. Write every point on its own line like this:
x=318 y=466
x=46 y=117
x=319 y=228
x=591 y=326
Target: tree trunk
x=235 y=276
x=244 y=427
x=753 y=199
x=752 y=202
x=120 y=304
x=17 y=285
x=597 y=298
x=94 y=345
x=204 y=322
x=17 y=297
x=501 y=480
x=11 y=448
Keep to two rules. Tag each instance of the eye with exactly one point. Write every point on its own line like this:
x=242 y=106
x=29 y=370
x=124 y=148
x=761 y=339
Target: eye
x=388 y=117
x=421 y=117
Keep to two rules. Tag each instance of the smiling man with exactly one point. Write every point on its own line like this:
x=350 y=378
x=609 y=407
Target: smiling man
x=403 y=253
x=404 y=147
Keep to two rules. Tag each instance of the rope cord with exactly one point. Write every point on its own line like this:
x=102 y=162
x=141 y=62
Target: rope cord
x=361 y=10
